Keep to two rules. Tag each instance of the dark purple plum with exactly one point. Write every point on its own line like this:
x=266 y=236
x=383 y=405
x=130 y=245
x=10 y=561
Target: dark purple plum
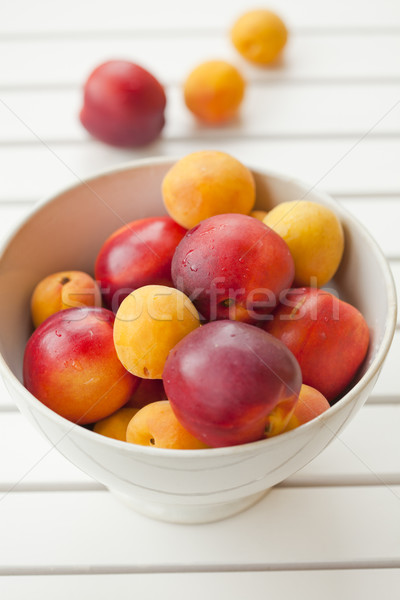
x=230 y=383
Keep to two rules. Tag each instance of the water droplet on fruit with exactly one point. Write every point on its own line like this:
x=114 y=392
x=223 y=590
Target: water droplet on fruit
x=191 y=231
x=185 y=260
x=77 y=365
x=207 y=231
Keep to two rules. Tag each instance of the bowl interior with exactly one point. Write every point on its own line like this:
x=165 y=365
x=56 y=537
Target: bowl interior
x=68 y=231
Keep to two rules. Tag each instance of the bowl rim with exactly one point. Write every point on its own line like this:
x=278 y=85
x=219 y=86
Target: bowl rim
x=239 y=449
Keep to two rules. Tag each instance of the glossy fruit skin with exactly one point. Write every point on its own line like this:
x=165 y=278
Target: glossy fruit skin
x=328 y=336
x=260 y=36
x=207 y=183
x=214 y=91
x=138 y=254
x=259 y=214
x=315 y=237
x=70 y=365
x=156 y=425
x=148 y=324
x=115 y=425
x=222 y=262
x=225 y=379
x=123 y=104
x=310 y=405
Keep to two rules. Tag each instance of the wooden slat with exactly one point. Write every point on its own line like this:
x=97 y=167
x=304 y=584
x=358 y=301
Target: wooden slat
x=339 y=166
x=269 y=109
x=320 y=57
x=330 y=585
x=367 y=451
x=35 y=463
x=153 y=15
x=324 y=526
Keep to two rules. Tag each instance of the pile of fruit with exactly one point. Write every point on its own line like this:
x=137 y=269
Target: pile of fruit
x=208 y=327
x=124 y=104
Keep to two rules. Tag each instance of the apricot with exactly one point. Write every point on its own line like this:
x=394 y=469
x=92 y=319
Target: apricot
x=259 y=36
x=148 y=324
x=116 y=424
x=214 y=91
x=315 y=238
x=310 y=404
x=65 y=289
x=259 y=214
x=207 y=183
x=156 y=425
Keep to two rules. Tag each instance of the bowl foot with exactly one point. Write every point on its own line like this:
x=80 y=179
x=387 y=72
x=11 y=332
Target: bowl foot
x=190 y=514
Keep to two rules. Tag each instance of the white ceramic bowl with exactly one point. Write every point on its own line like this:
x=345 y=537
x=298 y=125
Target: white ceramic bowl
x=189 y=486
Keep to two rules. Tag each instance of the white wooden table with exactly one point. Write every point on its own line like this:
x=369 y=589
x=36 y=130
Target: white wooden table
x=330 y=115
